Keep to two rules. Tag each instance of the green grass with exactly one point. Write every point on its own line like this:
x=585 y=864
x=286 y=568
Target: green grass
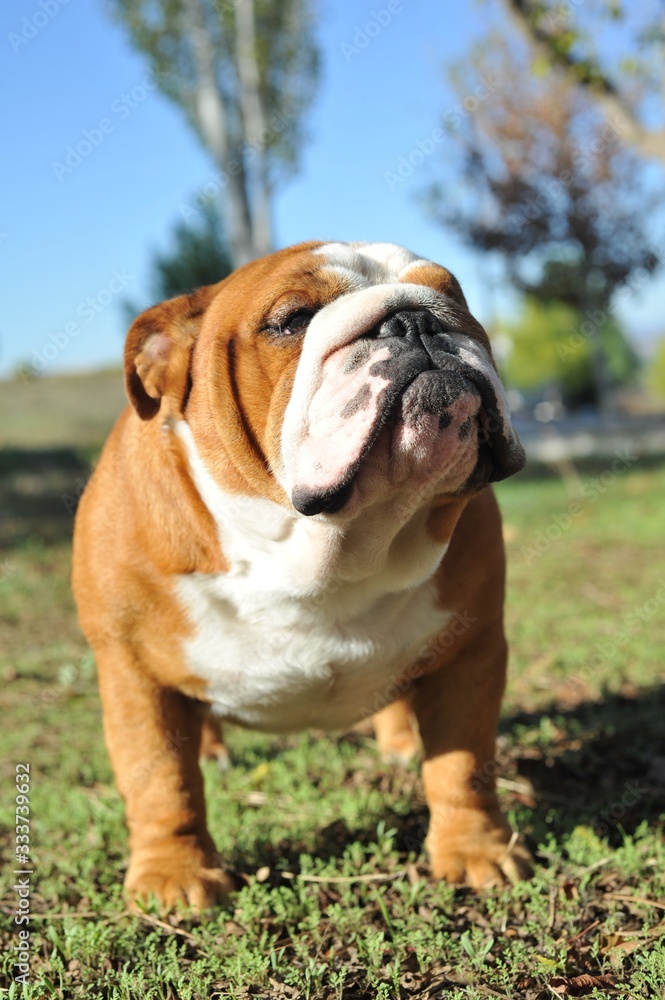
x=337 y=903
x=56 y=412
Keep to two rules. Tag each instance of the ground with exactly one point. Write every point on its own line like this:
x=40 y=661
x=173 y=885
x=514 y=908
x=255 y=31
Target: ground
x=337 y=903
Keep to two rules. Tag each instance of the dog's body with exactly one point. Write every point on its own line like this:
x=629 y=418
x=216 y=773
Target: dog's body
x=292 y=527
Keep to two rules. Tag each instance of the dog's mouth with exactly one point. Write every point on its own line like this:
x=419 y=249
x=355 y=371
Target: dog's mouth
x=417 y=401
x=430 y=388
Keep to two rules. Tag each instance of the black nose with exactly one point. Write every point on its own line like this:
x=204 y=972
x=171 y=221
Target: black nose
x=410 y=323
x=309 y=502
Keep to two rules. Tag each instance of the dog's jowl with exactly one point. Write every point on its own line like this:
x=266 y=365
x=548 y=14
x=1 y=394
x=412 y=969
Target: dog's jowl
x=292 y=525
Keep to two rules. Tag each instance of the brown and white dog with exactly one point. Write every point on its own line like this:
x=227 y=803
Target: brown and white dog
x=291 y=525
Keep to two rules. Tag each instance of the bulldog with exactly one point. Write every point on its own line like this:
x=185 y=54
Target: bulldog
x=291 y=527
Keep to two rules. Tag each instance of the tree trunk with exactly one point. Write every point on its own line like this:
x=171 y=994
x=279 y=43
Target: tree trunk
x=213 y=122
x=600 y=373
x=254 y=120
x=616 y=110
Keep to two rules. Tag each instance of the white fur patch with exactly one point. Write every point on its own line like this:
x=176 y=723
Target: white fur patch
x=312 y=624
x=377 y=262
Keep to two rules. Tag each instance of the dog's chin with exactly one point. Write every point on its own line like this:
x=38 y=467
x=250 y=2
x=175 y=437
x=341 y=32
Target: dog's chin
x=421 y=451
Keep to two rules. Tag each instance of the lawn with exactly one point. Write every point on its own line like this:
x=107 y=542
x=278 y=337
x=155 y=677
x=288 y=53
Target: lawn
x=327 y=839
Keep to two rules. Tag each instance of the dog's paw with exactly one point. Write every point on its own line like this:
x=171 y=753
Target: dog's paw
x=475 y=848
x=212 y=744
x=217 y=753
x=399 y=749
x=179 y=881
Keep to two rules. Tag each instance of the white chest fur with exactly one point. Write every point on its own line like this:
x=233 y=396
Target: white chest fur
x=293 y=664
x=302 y=632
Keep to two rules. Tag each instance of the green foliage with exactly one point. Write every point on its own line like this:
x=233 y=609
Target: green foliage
x=198 y=255
x=289 y=65
x=656 y=371
x=537 y=338
x=550 y=189
x=243 y=74
x=22 y=371
x=552 y=344
x=605 y=48
x=621 y=360
x=286 y=55
x=547 y=183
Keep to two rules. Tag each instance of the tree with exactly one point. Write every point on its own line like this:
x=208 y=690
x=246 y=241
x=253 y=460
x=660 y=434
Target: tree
x=550 y=346
x=243 y=72
x=549 y=188
x=656 y=371
x=198 y=255
x=623 y=86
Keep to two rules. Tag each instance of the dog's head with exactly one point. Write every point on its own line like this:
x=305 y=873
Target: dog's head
x=328 y=377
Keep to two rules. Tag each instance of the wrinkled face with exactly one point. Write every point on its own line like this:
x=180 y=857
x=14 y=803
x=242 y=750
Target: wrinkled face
x=395 y=386
x=346 y=374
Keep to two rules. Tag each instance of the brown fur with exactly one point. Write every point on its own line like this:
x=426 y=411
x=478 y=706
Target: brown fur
x=141 y=522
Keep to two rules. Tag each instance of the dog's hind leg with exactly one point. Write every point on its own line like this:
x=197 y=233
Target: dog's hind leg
x=396 y=733
x=212 y=745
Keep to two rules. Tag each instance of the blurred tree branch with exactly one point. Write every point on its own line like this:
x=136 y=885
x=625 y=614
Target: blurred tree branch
x=549 y=186
x=554 y=40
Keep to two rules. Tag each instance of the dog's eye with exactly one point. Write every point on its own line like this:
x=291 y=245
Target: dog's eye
x=292 y=325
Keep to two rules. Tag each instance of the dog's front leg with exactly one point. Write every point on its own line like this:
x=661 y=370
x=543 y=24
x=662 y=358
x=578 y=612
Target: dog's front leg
x=153 y=736
x=457 y=707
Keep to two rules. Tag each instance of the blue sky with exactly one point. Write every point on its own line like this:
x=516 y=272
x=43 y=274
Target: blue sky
x=73 y=244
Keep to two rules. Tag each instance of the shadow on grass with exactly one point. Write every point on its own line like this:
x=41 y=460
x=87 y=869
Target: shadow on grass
x=39 y=491
x=599 y=765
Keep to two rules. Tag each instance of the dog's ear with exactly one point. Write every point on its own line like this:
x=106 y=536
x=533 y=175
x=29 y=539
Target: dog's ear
x=158 y=351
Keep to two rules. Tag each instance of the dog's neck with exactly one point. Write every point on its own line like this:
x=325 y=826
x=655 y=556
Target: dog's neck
x=385 y=549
